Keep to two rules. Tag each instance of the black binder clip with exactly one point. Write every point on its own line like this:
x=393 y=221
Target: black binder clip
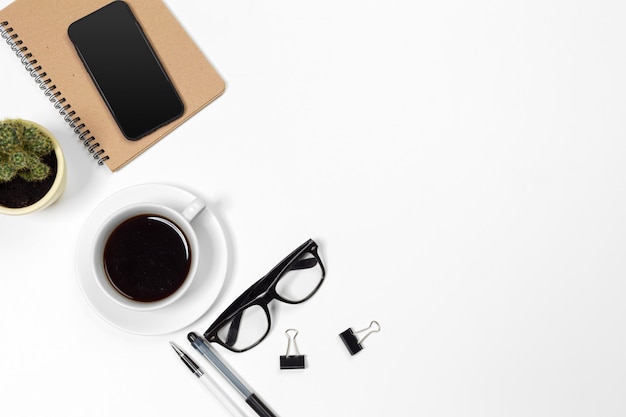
x=350 y=338
x=289 y=361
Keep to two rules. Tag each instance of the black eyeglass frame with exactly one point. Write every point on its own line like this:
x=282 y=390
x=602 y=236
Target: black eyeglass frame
x=262 y=292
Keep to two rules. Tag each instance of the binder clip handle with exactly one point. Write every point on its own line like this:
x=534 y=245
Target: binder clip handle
x=352 y=342
x=289 y=360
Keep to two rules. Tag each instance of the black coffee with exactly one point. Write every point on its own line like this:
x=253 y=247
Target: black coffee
x=147 y=258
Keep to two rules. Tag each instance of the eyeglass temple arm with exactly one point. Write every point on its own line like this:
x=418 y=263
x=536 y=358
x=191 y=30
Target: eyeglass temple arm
x=233 y=329
x=304 y=264
x=271 y=276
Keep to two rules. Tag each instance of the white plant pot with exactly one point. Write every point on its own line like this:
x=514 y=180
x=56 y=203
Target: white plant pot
x=57 y=187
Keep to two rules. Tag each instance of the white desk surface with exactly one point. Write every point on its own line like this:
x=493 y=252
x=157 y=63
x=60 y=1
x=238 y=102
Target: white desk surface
x=461 y=165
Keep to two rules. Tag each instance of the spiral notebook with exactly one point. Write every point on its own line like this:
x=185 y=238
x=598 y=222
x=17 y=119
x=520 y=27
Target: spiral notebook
x=37 y=30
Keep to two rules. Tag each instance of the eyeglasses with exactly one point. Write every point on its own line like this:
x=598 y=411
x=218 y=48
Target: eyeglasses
x=247 y=321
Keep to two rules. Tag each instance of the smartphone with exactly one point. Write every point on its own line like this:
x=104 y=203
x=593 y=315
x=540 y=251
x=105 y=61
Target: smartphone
x=126 y=70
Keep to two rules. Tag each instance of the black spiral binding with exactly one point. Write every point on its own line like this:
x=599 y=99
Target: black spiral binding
x=50 y=90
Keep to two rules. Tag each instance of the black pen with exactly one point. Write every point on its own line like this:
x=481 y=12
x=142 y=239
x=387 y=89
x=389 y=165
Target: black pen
x=253 y=401
x=212 y=386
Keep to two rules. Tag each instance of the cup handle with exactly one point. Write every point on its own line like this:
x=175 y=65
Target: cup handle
x=193 y=209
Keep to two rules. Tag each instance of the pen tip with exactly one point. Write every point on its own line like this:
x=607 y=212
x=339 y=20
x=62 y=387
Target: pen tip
x=175 y=347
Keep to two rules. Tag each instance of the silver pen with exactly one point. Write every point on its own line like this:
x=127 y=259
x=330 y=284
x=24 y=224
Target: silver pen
x=202 y=346
x=211 y=385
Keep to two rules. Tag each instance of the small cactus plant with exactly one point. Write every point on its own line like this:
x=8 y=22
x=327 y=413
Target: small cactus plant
x=22 y=146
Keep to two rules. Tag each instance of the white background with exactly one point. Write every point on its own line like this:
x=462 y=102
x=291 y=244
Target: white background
x=461 y=165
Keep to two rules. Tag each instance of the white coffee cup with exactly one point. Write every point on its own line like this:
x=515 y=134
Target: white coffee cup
x=177 y=221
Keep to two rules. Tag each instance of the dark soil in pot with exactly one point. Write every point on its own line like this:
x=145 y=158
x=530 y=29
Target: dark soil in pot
x=19 y=193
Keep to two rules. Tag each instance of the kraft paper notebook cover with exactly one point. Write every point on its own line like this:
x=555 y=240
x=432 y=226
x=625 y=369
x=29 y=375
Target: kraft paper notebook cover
x=37 y=31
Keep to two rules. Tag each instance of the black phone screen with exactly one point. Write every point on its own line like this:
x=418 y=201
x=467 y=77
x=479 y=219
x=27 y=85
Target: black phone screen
x=126 y=70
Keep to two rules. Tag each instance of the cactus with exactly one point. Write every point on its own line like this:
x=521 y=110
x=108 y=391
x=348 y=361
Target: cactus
x=22 y=146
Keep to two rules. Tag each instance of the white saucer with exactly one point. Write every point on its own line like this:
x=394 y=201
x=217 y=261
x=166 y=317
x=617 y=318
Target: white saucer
x=212 y=267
